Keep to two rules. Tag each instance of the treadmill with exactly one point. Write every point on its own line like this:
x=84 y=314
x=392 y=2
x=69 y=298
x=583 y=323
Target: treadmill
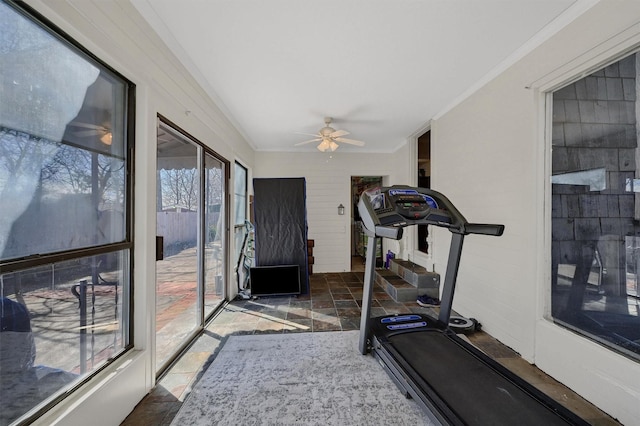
x=453 y=381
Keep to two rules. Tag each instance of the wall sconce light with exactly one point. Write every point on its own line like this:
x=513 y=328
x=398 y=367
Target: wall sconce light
x=340 y=209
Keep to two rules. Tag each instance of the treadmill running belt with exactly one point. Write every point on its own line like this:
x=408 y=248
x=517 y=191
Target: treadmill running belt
x=476 y=393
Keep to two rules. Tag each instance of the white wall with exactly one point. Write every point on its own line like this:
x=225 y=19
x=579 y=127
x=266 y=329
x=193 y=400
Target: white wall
x=116 y=33
x=489 y=155
x=328 y=183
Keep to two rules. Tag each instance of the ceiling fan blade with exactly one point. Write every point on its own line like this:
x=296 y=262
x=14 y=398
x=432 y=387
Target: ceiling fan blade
x=349 y=141
x=316 y=135
x=84 y=133
x=339 y=133
x=309 y=141
x=88 y=126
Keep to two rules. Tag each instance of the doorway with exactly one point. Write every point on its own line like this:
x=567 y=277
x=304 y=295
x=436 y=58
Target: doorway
x=424 y=181
x=360 y=184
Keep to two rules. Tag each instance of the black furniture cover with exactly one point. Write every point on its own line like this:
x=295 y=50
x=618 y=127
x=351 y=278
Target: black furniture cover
x=280 y=216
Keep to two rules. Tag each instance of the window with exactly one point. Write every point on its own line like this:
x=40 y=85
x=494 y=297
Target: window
x=241 y=233
x=596 y=207
x=240 y=193
x=65 y=231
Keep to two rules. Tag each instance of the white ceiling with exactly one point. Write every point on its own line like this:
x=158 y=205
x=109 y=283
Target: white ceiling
x=381 y=68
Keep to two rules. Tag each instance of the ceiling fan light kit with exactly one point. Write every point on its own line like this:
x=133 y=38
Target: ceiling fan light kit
x=330 y=137
x=327 y=145
x=107 y=138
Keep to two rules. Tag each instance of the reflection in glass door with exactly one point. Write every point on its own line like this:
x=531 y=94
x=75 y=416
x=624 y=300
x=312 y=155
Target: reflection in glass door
x=190 y=272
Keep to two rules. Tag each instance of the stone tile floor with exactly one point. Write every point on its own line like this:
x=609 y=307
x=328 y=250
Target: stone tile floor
x=332 y=305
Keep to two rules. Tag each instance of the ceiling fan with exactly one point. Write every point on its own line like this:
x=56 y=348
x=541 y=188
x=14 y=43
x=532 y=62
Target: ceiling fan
x=329 y=137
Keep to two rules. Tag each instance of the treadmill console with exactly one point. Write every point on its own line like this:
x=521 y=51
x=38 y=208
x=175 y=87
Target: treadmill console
x=416 y=206
x=383 y=209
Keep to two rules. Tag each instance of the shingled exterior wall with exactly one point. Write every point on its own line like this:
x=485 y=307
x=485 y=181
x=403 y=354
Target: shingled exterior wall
x=594 y=126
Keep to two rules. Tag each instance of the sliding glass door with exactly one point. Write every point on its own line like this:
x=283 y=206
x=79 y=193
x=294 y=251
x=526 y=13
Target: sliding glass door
x=191 y=225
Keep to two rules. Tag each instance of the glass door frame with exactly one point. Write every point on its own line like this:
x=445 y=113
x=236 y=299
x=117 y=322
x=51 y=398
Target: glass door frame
x=202 y=318
x=225 y=228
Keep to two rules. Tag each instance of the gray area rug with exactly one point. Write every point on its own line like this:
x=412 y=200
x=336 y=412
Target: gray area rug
x=296 y=379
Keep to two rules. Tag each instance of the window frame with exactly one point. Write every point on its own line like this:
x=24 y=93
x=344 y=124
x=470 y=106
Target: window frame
x=18 y=264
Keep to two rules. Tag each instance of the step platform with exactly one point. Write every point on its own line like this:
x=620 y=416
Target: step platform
x=404 y=281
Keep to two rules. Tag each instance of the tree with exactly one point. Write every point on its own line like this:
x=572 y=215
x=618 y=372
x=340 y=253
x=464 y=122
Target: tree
x=179 y=188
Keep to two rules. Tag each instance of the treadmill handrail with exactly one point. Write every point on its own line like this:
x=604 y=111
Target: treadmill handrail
x=484 y=229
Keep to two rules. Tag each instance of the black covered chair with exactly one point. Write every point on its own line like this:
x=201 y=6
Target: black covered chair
x=22 y=384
